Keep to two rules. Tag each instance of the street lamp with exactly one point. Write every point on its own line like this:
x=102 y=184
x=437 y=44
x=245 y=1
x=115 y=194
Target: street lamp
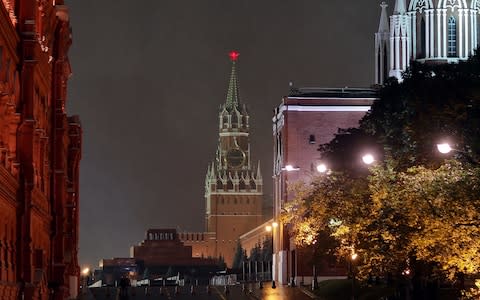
x=368 y=159
x=444 y=148
x=353 y=257
x=85 y=273
x=271 y=229
x=290 y=168
x=322 y=168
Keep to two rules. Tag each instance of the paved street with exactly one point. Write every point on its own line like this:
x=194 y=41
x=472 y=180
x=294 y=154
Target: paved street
x=235 y=293
x=168 y=293
x=280 y=293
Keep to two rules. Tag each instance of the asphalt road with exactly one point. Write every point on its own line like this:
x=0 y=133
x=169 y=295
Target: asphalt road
x=251 y=292
x=200 y=292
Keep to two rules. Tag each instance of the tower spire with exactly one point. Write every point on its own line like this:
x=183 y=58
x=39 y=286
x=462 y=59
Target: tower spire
x=233 y=96
x=400 y=7
x=383 y=26
x=382 y=45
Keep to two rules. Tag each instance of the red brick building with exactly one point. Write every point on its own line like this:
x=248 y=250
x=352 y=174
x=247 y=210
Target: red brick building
x=307 y=118
x=40 y=149
x=163 y=247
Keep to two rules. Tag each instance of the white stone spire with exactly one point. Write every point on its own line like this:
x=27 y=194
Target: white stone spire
x=382 y=47
x=259 y=174
x=400 y=7
x=383 y=26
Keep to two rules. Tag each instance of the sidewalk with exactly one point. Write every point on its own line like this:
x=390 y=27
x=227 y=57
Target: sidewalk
x=87 y=296
x=281 y=292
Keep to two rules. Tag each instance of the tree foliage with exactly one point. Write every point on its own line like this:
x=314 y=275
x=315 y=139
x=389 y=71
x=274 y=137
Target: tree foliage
x=433 y=103
x=393 y=218
x=240 y=256
x=413 y=211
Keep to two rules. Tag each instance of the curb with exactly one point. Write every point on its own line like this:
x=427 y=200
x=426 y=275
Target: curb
x=308 y=293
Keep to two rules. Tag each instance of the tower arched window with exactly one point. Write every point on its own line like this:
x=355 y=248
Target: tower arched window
x=452 y=37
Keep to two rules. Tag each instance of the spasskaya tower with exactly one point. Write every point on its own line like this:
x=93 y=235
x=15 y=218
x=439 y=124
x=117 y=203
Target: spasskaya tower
x=234 y=184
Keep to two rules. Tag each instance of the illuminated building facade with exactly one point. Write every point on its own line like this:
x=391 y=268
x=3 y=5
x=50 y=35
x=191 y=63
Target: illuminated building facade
x=40 y=149
x=436 y=31
x=307 y=118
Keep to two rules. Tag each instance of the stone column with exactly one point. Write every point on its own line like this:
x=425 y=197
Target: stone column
x=444 y=26
x=432 y=33
x=460 y=33
x=414 y=36
x=427 y=34
x=467 y=47
x=439 y=33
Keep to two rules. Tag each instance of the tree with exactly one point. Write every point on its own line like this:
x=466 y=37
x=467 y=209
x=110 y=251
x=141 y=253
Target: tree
x=169 y=272
x=146 y=273
x=433 y=103
x=267 y=249
x=413 y=211
x=239 y=257
x=256 y=253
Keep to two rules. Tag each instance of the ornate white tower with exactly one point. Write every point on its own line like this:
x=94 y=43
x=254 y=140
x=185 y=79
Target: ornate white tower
x=400 y=43
x=382 y=47
x=437 y=31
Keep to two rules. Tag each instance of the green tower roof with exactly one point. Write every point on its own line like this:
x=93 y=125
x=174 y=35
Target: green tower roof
x=233 y=95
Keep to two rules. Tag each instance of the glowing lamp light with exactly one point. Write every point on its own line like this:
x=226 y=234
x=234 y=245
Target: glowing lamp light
x=85 y=271
x=444 y=148
x=368 y=159
x=234 y=55
x=322 y=168
x=274 y=224
x=290 y=168
x=354 y=256
x=268 y=228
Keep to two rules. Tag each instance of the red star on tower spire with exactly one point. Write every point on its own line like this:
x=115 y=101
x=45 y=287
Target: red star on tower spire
x=234 y=55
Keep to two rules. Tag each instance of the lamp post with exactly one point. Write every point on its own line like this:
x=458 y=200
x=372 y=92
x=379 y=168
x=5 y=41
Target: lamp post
x=353 y=257
x=271 y=229
x=85 y=273
x=446 y=148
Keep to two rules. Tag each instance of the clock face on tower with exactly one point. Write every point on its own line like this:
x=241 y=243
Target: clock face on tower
x=235 y=158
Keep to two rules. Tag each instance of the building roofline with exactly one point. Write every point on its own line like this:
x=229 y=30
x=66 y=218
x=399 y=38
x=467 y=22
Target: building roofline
x=346 y=92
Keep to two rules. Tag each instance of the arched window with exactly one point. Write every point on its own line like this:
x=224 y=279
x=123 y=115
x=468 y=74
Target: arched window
x=452 y=37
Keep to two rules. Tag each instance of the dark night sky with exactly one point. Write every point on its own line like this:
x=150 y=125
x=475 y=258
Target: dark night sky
x=149 y=76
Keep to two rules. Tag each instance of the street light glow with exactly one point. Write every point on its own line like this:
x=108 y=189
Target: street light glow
x=322 y=168
x=85 y=271
x=354 y=256
x=368 y=159
x=290 y=168
x=444 y=148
